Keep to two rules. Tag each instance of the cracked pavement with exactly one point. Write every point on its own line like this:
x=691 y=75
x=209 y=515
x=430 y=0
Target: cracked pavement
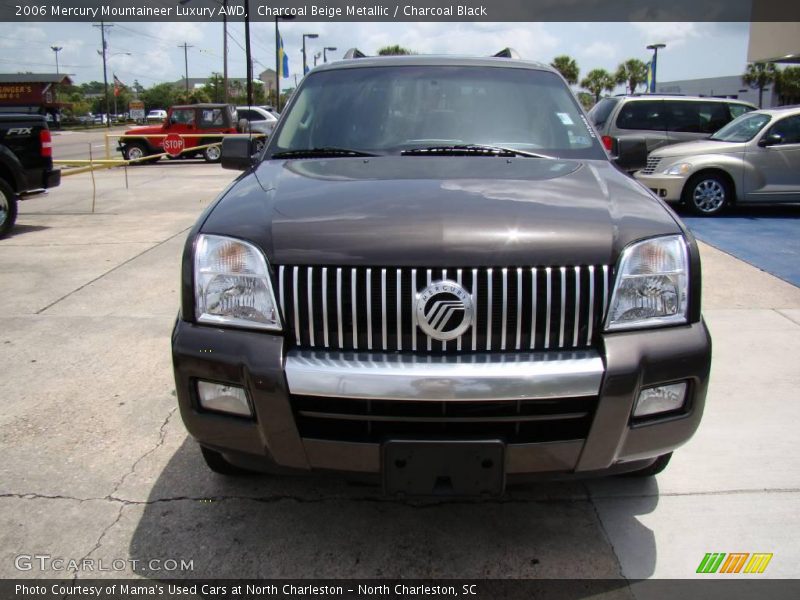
x=97 y=464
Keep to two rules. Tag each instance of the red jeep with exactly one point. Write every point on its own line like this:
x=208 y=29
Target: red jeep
x=187 y=119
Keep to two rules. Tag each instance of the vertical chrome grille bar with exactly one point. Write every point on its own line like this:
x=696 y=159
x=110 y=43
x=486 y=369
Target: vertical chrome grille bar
x=535 y=294
x=296 y=276
x=605 y=289
x=475 y=304
x=325 y=336
x=353 y=305
x=427 y=336
x=505 y=310
x=369 y=309
x=577 y=306
x=458 y=339
x=591 y=306
x=548 y=306
x=519 y=310
x=444 y=278
x=398 y=299
x=339 y=306
x=413 y=291
x=383 y=309
x=488 y=309
x=309 y=294
x=563 y=306
x=281 y=294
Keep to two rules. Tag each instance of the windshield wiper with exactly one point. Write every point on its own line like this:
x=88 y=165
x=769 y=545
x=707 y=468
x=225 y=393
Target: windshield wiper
x=321 y=152
x=471 y=150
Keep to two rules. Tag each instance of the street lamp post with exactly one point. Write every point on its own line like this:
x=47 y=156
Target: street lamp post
x=325 y=52
x=278 y=60
x=311 y=36
x=654 y=64
x=316 y=57
x=57 y=49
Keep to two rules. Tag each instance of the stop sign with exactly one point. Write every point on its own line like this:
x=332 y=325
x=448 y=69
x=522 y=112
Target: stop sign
x=173 y=144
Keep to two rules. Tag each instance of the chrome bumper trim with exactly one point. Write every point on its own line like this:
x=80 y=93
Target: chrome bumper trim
x=478 y=377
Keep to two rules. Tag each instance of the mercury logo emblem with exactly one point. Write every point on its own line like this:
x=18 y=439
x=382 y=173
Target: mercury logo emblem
x=444 y=310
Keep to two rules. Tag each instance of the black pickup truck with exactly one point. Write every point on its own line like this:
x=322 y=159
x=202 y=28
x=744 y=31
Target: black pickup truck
x=26 y=162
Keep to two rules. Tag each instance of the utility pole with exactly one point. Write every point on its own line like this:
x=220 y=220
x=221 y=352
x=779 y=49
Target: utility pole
x=249 y=56
x=225 y=48
x=103 y=53
x=186 y=47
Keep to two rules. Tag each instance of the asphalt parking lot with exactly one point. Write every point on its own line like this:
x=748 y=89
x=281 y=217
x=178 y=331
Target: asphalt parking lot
x=96 y=462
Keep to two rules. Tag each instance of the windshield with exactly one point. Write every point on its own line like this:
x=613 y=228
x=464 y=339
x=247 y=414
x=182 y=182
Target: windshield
x=600 y=111
x=386 y=110
x=742 y=129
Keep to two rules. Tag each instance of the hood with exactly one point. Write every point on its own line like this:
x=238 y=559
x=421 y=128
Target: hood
x=143 y=129
x=439 y=211
x=698 y=147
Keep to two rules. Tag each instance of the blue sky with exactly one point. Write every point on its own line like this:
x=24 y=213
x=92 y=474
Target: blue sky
x=148 y=51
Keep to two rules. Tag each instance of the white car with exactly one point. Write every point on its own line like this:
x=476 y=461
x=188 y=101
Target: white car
x=260 y=120
x=156 y=115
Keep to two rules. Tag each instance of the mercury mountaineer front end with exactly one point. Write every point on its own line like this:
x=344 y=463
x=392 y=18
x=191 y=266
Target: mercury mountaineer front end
x=439 y=303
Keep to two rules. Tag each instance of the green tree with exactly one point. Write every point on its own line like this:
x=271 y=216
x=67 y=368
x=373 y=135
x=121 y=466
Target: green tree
x=597 y=81
x=393 y=50
x=567 y=67
x=632 y=73
x=788 y=85
x=586 y=100
x=162 y=95
x=216 y=88
x=759 y=76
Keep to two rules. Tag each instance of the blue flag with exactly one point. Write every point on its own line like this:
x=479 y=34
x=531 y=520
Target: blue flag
x=283 y=59
x=651 y=76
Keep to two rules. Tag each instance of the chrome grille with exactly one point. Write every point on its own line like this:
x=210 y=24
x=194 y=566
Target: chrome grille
x=651 y=166
x=372 y=308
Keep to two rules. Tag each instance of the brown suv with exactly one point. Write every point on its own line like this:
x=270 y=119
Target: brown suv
x=408 y=287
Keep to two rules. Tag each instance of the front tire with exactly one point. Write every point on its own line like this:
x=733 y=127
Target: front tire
x=8 y=208
x=212 y=154
x=217 y=463
x=136 y=151
x=707 y=194
x=659 y=465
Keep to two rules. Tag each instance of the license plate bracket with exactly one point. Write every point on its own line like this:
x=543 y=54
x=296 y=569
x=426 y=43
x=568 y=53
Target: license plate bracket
x=444 y=468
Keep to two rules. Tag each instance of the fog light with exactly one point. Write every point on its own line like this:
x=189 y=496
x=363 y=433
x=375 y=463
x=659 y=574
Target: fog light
x=660 y=399
x=223 y=398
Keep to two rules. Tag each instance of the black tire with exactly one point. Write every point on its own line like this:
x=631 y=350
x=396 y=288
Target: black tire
x=659 y=465
x=136 y=150
x=212 y=154
x=707 y=194
x=217 y=463
x=8 y=208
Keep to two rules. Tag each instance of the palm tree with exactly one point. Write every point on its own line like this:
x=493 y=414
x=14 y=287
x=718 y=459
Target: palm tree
x=632 y=73
x=760 y=75
x=788 y=85
x=567 y=67
x=597 y=81
x=394 y=50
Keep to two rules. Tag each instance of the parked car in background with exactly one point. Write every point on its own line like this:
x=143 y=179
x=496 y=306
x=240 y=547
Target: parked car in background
x=753 y=159
x=634 y=125
x=156 y=115
x=408 y=286
x=190 y=119
x=26 y=162
x=259 y=120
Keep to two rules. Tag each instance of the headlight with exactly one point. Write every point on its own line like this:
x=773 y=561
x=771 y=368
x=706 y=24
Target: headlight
x=232 y=284
x=652 y=285
x=678 y=169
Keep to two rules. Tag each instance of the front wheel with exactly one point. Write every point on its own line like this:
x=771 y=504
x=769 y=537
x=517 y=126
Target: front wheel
x=707 y=195
x=212 y=154
x=8 y=208
x=217 y=463
x=659 y=465
x=135 y=151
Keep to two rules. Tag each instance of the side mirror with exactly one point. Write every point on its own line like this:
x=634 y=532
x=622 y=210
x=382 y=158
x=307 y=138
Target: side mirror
x=237 y=152
x=771 y=139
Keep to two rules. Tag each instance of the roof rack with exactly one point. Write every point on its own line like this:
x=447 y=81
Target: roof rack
x=508 y=53
x=354 y=53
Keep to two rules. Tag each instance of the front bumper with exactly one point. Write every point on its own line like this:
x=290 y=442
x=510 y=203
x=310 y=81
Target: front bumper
x=666 y=187
x=277 y=381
